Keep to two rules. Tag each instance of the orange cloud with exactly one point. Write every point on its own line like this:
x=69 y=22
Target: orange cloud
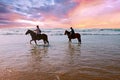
x=104 y=21
x=83 y=4
x=94 y=14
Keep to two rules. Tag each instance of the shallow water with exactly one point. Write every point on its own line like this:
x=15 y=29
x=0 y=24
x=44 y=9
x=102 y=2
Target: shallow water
x=97 y=58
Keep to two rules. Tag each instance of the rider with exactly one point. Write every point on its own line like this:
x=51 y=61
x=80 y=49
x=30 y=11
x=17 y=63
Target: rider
x=72 y=32
x=38 y=31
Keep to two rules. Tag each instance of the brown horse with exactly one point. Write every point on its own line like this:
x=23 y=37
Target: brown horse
x=35 y=37
x=76 y=35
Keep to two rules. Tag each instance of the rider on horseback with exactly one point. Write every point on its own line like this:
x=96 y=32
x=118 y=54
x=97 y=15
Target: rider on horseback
x=38 y=31
x=72 y=32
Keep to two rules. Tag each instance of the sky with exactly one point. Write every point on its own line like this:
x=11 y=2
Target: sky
x=60 y=13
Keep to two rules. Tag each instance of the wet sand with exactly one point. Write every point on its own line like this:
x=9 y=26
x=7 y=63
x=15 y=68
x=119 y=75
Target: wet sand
x=97 y=58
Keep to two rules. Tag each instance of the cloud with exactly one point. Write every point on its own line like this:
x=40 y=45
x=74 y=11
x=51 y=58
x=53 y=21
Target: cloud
x=57 y=8
x=94 y=10
x=4 y=8
x=34 y=10
x=54 y=11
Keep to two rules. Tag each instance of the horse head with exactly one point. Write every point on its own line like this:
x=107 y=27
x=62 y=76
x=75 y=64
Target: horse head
x=66 y=32
x=27 y=32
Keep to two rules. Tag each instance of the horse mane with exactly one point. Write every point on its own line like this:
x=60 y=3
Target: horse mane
x=31 y=30
x=67 y=31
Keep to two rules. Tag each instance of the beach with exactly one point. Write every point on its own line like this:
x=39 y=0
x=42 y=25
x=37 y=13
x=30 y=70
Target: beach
x=96 y=58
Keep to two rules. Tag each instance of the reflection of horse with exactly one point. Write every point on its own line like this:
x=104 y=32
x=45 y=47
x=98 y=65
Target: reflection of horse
x=35 y=37
x=76 y=35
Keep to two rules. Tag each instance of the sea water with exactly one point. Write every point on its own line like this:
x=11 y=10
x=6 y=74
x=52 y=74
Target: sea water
x=96 y=58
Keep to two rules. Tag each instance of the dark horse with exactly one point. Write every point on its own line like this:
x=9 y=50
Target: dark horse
x=35 y=37
x=76 y=35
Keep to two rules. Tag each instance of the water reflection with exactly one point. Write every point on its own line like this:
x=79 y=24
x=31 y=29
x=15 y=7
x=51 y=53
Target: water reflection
x=73 y=52
x=37 y=58
x=74 y=49
x=46 y=59
x=38 y=52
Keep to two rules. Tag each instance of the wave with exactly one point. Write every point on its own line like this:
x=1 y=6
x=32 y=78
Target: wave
x=60 y=31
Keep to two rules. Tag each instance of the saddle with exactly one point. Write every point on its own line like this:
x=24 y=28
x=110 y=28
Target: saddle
x=72 y=35
x=38 y=34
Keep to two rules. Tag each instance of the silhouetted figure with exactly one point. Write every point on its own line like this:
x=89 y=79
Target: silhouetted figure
x=76 y=35
x=38 y=31
x=35 y=37
x=72 y=32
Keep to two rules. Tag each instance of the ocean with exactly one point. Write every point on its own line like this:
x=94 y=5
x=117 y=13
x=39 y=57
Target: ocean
x=96 y=58
x=60 y=31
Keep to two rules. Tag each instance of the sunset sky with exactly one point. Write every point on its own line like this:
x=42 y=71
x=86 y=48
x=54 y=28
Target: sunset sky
x=60 y=13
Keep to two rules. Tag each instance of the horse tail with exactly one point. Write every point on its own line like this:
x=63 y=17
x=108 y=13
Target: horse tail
x=79 y=38
x=46 y=39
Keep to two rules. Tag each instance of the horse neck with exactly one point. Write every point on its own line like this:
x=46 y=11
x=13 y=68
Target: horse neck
x=32 y=33
x=68 y=33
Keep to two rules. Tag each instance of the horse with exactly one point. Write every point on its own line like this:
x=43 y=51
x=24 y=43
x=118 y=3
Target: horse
x=36 y=36
x=76 y=35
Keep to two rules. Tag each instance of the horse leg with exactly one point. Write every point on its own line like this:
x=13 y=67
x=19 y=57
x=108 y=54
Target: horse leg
x=69 y=40
x=31 y=41
x=47 y=41
x=35 y=42
x=44 y=41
